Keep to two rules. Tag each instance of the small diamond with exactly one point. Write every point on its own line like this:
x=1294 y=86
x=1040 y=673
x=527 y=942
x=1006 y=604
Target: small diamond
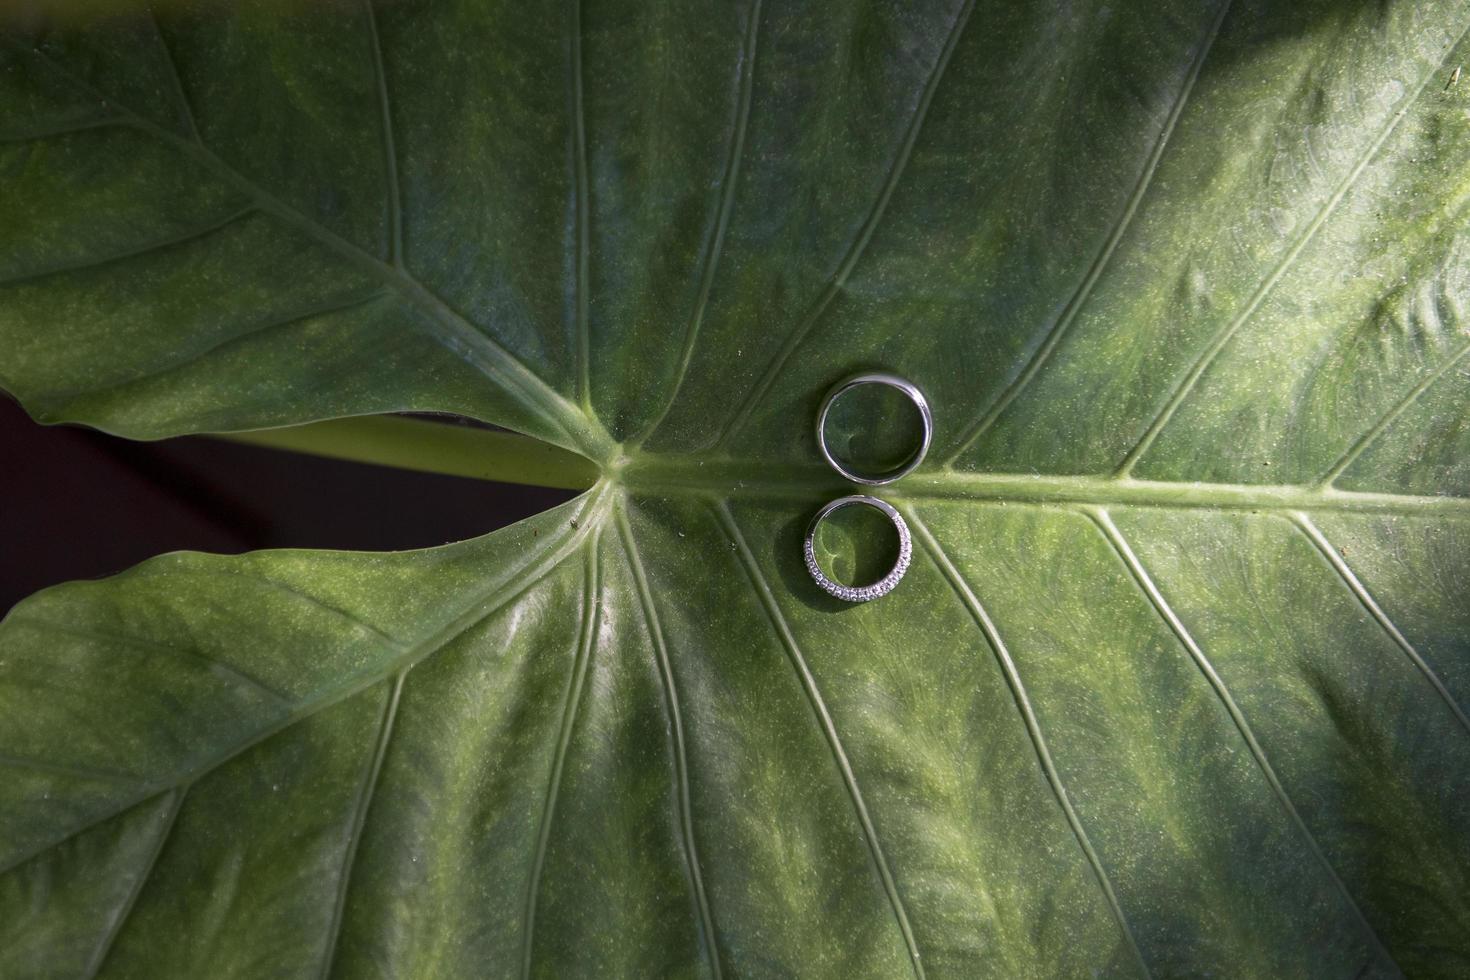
x=876 y=589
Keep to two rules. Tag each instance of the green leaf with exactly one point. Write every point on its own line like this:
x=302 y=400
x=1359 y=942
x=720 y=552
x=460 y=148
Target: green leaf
x=1177 y=683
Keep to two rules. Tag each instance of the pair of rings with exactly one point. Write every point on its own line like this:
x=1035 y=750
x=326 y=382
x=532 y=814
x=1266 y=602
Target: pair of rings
x=885 y=584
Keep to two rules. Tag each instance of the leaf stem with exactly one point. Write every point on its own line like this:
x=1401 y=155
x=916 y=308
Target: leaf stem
x=431 y=447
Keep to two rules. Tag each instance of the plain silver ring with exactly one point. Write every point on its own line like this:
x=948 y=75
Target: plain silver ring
x=892 y=381
x=866 y=592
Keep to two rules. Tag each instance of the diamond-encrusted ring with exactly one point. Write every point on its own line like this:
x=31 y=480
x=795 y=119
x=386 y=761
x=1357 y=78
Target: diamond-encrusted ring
x=913 y=394
x=885 y=584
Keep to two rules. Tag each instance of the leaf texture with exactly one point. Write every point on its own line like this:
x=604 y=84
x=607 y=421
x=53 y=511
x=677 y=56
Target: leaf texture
x=1176 y=686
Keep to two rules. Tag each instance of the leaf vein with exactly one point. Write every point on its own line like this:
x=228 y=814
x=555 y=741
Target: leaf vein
x=1012 y=675
x=67 y=771
x=1223 y=336
x=507 y=589
x=676 y=724
x=1354 y=585
x=582 y=195
x=715 y=245
x=865 y=233
x=591 y=616
x=1063 y=324
x=153 y=245
x=1151 y=591
x=64 y=127
x=54 y=400
x=241 y=677
x=109 y=942
x=825 y=722
x=463 y=338
x=800 y=481
x=385 y=129
x=1390 y=417
x=291 y=592
x=176 y=80
x=359 y=818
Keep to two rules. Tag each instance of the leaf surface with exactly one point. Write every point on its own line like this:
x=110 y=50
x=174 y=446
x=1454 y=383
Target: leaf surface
x=1176 y=686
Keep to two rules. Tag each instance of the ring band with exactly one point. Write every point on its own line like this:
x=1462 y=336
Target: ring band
x=892 y=381
x=885 y=584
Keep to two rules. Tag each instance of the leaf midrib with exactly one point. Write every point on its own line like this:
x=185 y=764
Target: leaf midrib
x=735 y=478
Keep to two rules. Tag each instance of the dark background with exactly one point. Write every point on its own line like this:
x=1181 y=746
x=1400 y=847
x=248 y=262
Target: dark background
x=75 y=503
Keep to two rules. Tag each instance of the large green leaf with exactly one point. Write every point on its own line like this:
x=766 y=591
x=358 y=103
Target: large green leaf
x=1176 y=686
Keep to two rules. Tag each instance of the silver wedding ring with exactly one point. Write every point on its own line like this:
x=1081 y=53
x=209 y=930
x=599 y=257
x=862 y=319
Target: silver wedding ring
x=865 y=592
x=892 y=381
